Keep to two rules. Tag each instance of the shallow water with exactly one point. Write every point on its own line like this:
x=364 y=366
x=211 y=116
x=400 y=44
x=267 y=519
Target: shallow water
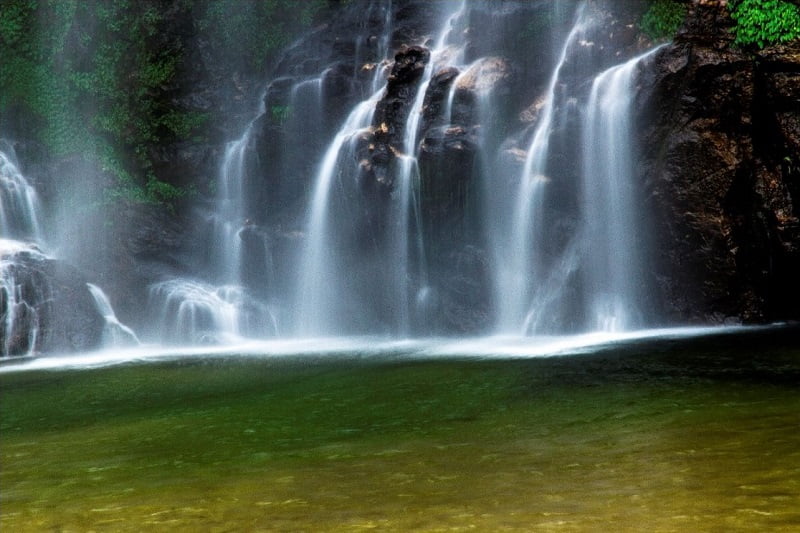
x=695 y=433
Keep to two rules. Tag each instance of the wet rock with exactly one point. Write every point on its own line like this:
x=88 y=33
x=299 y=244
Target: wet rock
x=447 y=159
x=436 y=98
x=392 y=110
x=45 y=307
x=465 y=292
x=448 y=192
x=485 y=75
x=256 y=259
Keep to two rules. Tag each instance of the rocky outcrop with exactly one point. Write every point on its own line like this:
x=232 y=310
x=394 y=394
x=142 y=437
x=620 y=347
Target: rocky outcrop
x=45 y=306
x=391 y=112
x=721 y=144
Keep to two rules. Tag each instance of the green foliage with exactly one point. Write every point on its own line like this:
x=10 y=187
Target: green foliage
x=102 y=77
x=764 y=22
x=13 y=20
x=250 y=32
x=662 y=19
x=93 y=76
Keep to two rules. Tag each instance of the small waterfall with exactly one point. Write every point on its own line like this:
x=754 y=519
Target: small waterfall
x=19 y=204
x=196 y=312
x=20 y=233
x=613 y=281
x=193 y=311
x=115 y=333
x=469 y=185
x=520 y=273
x=406 y=201
x=228 y=217
x=27 y=291
x=318 y=301
x=19 y=319
x=317 y=287
x=321 y=306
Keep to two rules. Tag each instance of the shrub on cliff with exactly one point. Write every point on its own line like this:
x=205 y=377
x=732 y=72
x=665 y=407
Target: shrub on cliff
x=764 y=22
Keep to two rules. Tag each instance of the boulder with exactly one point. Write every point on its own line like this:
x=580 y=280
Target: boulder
x=45 y=306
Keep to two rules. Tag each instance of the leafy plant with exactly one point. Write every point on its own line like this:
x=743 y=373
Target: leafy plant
x=764 y=22
x=662 y=19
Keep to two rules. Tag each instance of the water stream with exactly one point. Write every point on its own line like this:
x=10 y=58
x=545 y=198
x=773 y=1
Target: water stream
x=522 y=275
x=613 y=223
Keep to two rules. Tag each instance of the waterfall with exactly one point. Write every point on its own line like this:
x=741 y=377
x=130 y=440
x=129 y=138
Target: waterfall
x=196 y=312
x=521 y=277
x=229 y=216
x=115 y=333
x=321 y=305
x=410 y=168
x=20 y=235
x=612 y=218
x=192 y=310
x=19 y=204
x=538 y=286
x=28 y=293
x=19 y=319
x=406 y=197
x=317 y=290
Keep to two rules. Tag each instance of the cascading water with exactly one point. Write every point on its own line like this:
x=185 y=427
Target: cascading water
x=584 y=271
x=522 y=277
x=317 y=287
x=19 y=204
x=614 y=283
x=192 y=310
x=33 y=285
x=360 y=274
x=322 y=306
x=115 y=333
x=230 y=298
x=368 y=249
x=19 y=320
x=20 y=231
x=406 y=235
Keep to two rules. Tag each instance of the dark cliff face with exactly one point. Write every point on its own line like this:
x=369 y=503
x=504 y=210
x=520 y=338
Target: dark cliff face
x=721 y=143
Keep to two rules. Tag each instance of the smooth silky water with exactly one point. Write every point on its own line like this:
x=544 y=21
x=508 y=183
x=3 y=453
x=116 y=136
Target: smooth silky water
x=684 y=431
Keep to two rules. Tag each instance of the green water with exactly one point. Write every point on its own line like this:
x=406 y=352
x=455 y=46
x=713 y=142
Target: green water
x=692 y=435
